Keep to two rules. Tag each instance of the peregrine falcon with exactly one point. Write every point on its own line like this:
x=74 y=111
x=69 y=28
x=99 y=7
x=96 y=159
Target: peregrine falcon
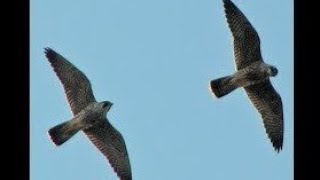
x=89 y=116
x=252 y=74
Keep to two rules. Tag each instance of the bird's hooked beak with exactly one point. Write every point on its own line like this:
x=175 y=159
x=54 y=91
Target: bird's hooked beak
x=107 y=105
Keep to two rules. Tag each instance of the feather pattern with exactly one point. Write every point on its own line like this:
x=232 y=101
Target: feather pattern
x=246 y=41
x=112 y=145
x=76 y=85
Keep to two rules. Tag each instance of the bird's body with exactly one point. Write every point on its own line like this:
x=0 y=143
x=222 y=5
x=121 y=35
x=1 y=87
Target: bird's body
x=89 y=116
x=252 y=74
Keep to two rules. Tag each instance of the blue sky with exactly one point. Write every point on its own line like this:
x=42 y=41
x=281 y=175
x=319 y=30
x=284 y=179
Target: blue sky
x=154 y=60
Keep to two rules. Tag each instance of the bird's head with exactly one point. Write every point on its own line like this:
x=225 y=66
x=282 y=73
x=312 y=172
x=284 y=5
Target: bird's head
x=272 y=71
x=106 y=105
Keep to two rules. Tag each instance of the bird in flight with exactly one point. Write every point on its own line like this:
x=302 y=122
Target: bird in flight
x=88 y=116
x=253 y=74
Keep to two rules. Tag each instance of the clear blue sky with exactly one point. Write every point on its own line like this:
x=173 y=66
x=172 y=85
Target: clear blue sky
x=154 y=60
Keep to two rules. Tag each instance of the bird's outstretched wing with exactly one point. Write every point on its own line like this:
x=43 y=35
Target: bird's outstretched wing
x=76 y=85
x=269 y=104
x=112 y=145
x=246 y=42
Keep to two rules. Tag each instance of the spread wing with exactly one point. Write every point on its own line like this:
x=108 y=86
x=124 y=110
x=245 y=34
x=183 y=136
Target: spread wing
x=111 y=144
x=268 y=102
x=76 y=85
x=246 y=42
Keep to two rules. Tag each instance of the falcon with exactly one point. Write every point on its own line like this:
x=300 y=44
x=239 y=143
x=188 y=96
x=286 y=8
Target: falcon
x=89 y=116
x=253 y=74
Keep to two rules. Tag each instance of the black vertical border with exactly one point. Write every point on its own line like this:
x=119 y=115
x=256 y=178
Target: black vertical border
x=16 y=72
x=305 y=50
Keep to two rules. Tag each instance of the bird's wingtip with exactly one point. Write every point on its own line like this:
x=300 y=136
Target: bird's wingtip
x=50 y=53
x=277 y=145
x=228 y=5
x=278 y=150
x=226 y=1
x=47 y=49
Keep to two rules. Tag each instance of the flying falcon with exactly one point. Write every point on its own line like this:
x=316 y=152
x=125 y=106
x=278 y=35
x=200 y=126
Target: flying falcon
x=252 y=74
x=89 y=116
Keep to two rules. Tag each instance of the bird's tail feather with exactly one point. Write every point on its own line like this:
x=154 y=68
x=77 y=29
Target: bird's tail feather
x=222 y=86
x=63 y=132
